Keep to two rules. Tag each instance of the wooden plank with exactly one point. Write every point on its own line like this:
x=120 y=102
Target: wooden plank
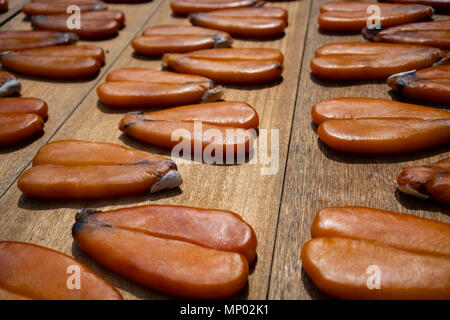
x=318 y=177
x=240 y=188
x=14 y=6
x=64 y=96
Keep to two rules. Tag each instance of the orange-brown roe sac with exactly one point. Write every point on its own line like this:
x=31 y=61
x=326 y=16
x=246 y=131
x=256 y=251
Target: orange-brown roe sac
x=20 y=119
x=233 y=66
x=365 y=253
x=215 y=229
x=430 y=84
x=142 y=87
x=94 y=25
x=429 y=181
x=371 y=61
x=187 y=252
x=358 y=269
x=379 y=126
x=17 y=127
x=21 y=40
x=384 y=228
x=9 y=84
x=32 y=272
x=159 y=40
x=71 y=169
x=24 y=105
x=244 y=22
x=57 y=62
x=439 y=5
x=434 y=34
x=185 y=7
x=47 y=7
x=3 y=6
x=218 y=127
x=379 y=136
x=353 y=16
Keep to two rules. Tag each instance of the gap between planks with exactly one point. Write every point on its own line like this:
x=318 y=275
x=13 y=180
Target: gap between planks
x=289 y=145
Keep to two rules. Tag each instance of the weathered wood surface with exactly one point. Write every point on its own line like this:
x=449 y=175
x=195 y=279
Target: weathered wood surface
x=280 y=207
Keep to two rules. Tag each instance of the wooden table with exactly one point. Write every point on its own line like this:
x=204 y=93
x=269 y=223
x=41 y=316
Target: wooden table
x=280 y=207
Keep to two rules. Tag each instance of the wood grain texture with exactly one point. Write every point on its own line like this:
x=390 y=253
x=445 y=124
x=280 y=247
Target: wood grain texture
x=63 y=97
x=239 y=188
x=318 y=177
x=14 y=6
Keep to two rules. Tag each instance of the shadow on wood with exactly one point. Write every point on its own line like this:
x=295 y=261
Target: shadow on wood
x=413 y=203
x=314 y=292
